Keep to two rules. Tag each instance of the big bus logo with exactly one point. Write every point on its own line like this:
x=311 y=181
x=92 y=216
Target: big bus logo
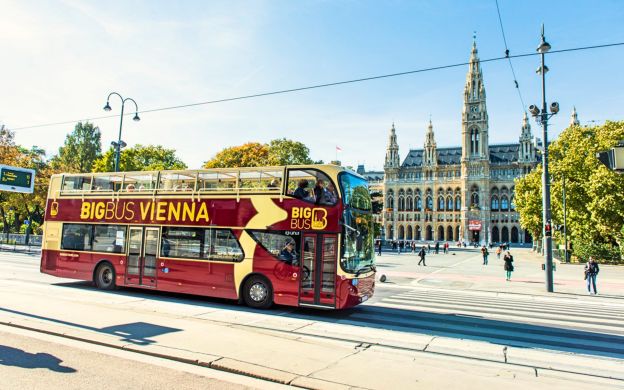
x=54 y=209
x=308 y=218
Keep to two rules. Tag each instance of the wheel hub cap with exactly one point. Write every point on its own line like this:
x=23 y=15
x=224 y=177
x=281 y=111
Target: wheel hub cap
x=258 y=292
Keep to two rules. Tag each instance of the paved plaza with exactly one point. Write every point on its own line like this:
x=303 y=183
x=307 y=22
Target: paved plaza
x=463 y=269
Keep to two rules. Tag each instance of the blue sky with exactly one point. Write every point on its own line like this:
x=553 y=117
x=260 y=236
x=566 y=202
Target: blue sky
x=61 y=59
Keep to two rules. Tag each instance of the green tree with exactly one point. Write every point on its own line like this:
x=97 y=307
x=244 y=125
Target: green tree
x=528 y=201
x=82 y=147
x=140 y=158
x=287 y=152
x=280 y=151
x=594 y=195
x=251 y=154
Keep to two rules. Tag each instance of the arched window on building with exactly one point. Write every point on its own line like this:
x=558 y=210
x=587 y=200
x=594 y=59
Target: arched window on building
x=494 y=203
x=410 y=204
x=504 y=203
x=390 y=202
x=449 y=203
x=429 y=204
x=440 y=204
x=418 y=204
x=457 y=203
x=512 y=205
x=474 y=199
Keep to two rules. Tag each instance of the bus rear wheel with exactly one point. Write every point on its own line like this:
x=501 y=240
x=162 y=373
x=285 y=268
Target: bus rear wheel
x=105 y=277
x=258 y=293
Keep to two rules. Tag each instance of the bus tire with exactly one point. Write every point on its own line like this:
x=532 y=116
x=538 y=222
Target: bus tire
x=257 y=292
x=104 y=276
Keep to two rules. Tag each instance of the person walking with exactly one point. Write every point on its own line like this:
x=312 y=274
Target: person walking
x=422 y=255
x=428 y=248
x=401 y=246
x=437 y=247
x=508 y=258
x=485 y=254
x=591 y=271
x=379 y=248
x=499 y=250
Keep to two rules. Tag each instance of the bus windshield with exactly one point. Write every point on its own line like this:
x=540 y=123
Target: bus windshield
x=357 y=247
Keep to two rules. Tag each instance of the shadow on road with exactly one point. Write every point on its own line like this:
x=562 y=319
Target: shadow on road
x=420 y=321
x=10 y=356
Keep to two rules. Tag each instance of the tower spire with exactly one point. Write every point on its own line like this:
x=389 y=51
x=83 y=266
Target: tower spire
x=474 y=116
x=574 y=118
x=392 y=151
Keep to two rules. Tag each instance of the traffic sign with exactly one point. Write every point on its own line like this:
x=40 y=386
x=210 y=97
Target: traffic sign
x=17 y=179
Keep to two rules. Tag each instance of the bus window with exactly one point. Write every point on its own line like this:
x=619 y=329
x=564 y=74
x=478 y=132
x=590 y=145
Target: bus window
x=221 y=244
x=107 y=183
x=77 y=183
x=311 y=186
x=283 y=247
x=76 y=237
x=198 y=243
x=109 y=238
x=260 y=180
x=177 y=182
x=140 y=182
x=216 y=181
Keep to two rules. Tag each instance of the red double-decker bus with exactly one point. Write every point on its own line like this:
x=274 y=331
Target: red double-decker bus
x=294 y=235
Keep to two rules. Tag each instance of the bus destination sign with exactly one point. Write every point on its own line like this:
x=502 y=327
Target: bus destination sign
x=16 y=179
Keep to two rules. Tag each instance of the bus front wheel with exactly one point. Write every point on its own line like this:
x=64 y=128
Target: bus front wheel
x=105 y=277
x=258 y=292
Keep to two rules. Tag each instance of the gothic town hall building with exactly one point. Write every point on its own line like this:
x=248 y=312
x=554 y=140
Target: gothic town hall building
x=458 y=193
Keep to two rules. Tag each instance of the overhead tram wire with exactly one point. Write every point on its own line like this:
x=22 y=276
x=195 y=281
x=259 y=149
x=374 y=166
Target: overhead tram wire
x=500 y=20
x=317 y=86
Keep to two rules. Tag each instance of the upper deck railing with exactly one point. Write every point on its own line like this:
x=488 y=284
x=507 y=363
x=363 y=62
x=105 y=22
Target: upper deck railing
x=191 y=183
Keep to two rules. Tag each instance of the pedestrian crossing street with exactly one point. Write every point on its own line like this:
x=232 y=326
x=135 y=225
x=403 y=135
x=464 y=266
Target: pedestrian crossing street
x=591 y=325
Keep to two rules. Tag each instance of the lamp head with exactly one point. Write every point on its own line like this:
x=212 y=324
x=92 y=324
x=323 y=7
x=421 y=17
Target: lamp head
x=534 y=110
x=554 y=107
x=544 y=47
x=107 y=107
x=136 y=117
x=539 y=70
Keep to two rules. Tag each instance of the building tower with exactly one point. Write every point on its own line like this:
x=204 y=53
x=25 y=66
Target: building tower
x=526 y=152
x=474 y=115
x=475 y=164
x=431 y=156
x=392 y=166
x=574 y=118
x=392 y=163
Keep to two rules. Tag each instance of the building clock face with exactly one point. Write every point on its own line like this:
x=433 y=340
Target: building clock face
x=474 y=109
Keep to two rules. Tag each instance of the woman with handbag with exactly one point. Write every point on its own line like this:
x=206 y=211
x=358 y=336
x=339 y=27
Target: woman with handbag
x=508 y=259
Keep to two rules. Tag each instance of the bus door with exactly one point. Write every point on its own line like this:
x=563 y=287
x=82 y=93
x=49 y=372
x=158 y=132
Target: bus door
x=141 y=260
x=318 y=270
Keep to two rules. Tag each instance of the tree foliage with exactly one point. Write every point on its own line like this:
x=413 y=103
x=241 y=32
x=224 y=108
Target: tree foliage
x=528 y=201
x=280 y=151
x=251 y=154
x=15 y=208
x=139 y=158
x=287 y=152
x=81 y=149
x=594 y=194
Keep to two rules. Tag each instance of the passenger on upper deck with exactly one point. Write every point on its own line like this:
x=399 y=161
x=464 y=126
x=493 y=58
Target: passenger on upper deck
x=301 y=192
x=319 y=189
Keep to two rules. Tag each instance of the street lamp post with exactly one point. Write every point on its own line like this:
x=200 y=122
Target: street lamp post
x=120 y=144
x=542 y=116
x=565 y=225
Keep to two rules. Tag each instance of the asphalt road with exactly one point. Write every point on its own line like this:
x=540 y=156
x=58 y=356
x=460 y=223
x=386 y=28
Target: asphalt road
x=455 y=308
